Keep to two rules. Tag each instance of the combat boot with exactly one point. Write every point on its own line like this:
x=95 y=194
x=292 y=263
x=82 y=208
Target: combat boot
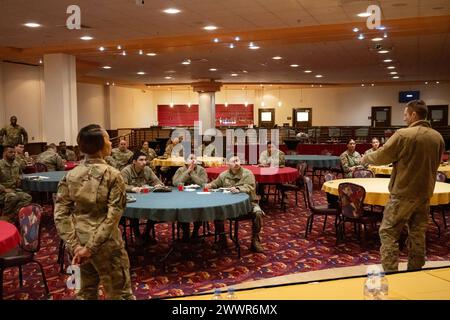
x=256 y=244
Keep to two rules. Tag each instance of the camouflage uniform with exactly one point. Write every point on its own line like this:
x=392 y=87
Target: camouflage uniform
x=13 y=135
x=51 y=159
x=69 y=155
x=369 y=151
x=22 y=161
x=149 y=153
x=134 y=179
x=174 y=150
x=244 y=180
x=348 y=161
x=121 y=157
x=12 y=201
x=90 y=202
x=197 y=176
x=110 y=160
x=415 y=153
x=276 y=159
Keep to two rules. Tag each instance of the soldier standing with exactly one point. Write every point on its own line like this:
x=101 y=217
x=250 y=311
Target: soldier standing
x=51 y=159
x=13 y=134
x=90 y=202
x=121 y=154
x=11 y=197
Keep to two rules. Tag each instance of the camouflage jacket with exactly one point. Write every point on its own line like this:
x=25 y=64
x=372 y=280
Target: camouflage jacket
x=134 y=179
x=276 y=159
x=22 y=161
x=9 y=175
x=13 y=135
x=197 y=176
x=89 y=204
x=52 y=160
x=173 y=151
x=150 y=153
x=349 y=161
x=121 y=157
x=69 y=155
x=244 y=180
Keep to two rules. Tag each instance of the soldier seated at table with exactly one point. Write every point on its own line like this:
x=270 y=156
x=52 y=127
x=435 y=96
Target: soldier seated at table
x=136 y=175
x=273 y=156
x=22 y=158
x=51 y=159
x=149 y=153
x=350 y=159
x=190 y=173
x=11 y=197
x=121 y=155
x=66 y=154
x=239 y=179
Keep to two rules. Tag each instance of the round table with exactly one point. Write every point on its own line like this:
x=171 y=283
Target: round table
x=184 y=206
x=268 y=175
x=377 y=192
x=9 y=237
x=42 y=181
x=320 y=161
x=179 y=162
x=386 y=170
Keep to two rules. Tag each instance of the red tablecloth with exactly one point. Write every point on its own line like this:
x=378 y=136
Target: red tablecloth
x=262 y=174
x=69 y=165
x=334 y=148
x=9 y=236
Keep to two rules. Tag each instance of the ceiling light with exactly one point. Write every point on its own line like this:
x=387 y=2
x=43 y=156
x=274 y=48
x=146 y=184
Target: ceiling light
x=362 y=84
x=319 y=76
x=377 y=39
x=437 y=82
x=212 y=69
x=141 y=52
x=119 y=47
x=237 y=39
x=32 y=25
x=216 y=40
x=361 y=36
x=40 y=61
x=381 y=28
x=140 y=72
x=253 y=47
x=383 y=51
x=355 y=29
x=387 y=60
x=234 y=74
x=209 y=28
x=385 y=35
x=171 y=11
x=294 y=65
x=312 y=86
x=277 y=58
x=244 y=71
x=372 y=84
x=391 y=67
x=280 y=103
x=186 y=62
x=307 y=71
x=395 y=77
x=86 y=38
x=124 y=53
x=363 y=14
x=168 y=78
x=106 y=67
x=393 y=72
x=426 y=82
x=101 y=49
x=151 y=54
x=231 y=46
x=113 y=84
x=107 y=83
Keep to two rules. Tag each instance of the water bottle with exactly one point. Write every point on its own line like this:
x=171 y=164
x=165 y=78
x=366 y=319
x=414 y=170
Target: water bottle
x=217 y=295
x=231 y=294
x=370 y=288
x=384 y=286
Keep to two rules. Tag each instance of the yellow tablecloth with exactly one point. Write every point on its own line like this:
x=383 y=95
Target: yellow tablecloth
x=388 y=170
x=179 y=162
x=377 y=192
x=421 y=285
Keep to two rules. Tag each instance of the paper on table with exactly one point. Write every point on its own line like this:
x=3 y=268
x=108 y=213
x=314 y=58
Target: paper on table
x=204 y=192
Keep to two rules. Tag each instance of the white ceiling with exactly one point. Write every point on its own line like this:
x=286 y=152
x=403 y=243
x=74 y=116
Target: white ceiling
x=339 y=58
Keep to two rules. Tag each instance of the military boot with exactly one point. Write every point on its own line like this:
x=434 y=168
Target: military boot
x=256 y=244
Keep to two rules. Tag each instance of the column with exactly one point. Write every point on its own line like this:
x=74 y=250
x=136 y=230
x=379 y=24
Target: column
x=60 y=112
x=207 y=103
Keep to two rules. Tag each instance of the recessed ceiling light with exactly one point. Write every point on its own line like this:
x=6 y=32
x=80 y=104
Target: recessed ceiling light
x=151 y=54
x=86 y=38
x=106 y=67
x=294 y=65
x=40 y=61
x=101 y=49
x=277 y=58
x=363 y=14
x=361 y=36
x=140 y=72
x=391 y=67
x=167 y=77
x=307 y=71
x=141 y=52
x=113 y=84
x=383 y=51
x=216 y=40
x=171 y=11
x=119 y=47
x=395 y=77
x=437 y=82
x=385 y=35
x=319 y=76
x=381 y=28
x=107 y=83
x=244 y=71
x=186 y=62
x=426 y=82
x=231 y=46
x=254 y=47
x=362 y=84
x=372 y=84
x=312 y=86
x=387 y=60
x=237 y=39
x=377 y=39
x=209 y=28
x=393 y=72
x=355 y=29
x=234 y=74
x=124 y=53
x=32 y=25
x=212 y=69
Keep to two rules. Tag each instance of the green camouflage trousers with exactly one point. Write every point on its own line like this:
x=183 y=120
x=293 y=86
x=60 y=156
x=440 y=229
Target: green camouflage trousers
x=257 y=222
x=12 y=202
x=110 y=266
x=398 y=213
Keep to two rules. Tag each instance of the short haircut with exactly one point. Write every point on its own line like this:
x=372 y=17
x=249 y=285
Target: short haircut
x=269 y=142
x=19 y=144
x=90 y=139
x=51 y=146
x=62 y=142
x=351 y=139
x=419 y=107
x=138 y=154
x=7 y=147
x=375 y=138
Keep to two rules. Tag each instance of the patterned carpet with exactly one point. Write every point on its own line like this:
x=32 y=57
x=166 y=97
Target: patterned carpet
x=199 y=267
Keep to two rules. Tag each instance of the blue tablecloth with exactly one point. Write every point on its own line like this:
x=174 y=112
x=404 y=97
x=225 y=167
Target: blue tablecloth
x=315 y=160
x=184 y=206
x=42 y=185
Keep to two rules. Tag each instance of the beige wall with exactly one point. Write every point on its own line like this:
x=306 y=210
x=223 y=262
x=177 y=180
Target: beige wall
x=91 y=104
